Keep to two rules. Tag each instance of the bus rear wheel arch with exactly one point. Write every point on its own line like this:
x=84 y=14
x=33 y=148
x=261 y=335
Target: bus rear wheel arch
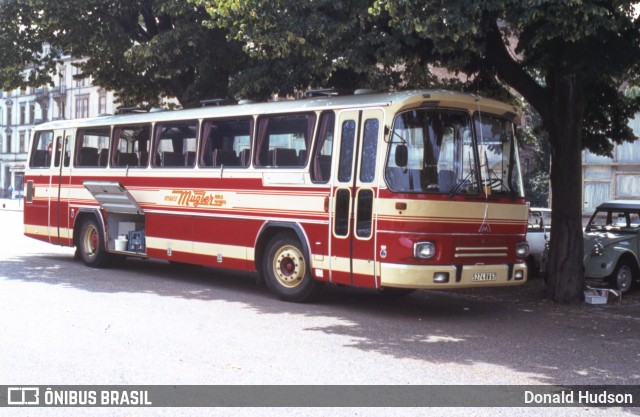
x=286 y=269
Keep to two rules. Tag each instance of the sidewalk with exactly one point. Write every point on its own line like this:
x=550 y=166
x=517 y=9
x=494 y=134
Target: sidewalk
x=14 y=205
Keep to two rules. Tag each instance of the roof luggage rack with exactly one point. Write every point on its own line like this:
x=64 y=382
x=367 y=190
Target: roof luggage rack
x=326 y=92
x=218 y=102
x=131 y=110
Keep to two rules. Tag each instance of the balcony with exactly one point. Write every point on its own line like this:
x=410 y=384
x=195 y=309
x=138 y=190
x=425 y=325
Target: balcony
x=59 y=91
x=42 y=94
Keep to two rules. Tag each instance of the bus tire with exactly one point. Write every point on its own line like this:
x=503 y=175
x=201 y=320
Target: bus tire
x=287 y=271
x=91 y=244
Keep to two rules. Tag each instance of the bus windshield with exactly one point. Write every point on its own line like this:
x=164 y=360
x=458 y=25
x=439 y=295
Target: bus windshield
x=498 y=154
x=444 y=157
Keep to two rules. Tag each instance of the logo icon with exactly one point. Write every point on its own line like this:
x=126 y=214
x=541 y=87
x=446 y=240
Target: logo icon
x=23 y=396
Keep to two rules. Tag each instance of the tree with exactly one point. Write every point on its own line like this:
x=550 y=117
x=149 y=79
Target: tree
x=141 y=49
x=295 y=45
x=567 y=58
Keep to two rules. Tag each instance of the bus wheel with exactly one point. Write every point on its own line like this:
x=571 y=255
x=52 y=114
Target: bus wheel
x=286 y=270
x=91 y=244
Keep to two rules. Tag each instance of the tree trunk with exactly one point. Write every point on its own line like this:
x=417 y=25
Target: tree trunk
x=565 y=268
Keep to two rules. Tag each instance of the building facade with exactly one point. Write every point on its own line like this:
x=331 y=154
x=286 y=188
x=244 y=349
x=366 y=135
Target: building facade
x=613 y=178
x=71 y=96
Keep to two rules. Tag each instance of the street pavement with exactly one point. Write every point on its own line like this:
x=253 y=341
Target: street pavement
x=149 y=322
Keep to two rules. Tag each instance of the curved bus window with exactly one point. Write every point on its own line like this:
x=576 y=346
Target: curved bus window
x=226 y=143
x=498 y=154
x=41 y=153
x=283 y=141
x=93 y=147
x=321 y=162
x=175 y=144
x=131 y=146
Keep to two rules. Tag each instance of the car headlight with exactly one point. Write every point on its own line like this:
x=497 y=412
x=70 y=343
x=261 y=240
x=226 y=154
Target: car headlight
x=522 y=250
x=424 y=250
x=597 y=249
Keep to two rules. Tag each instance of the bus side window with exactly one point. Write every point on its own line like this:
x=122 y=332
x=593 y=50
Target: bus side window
x=226 y=143
x=57 y=151
x=175 y=144
x=369 y=150
x=322 y=154
x=68 y=145
x=41 y=153
x=282 y=141
x=131 y=146
x=93 y=147
x=347 y=144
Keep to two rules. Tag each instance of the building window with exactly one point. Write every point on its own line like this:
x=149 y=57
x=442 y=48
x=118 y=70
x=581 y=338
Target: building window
x=8 y=143
x=80 y=78
x=596 y=193
x=23 y=114
x=628 y=186
x=102 y=104
x=82 y=107
x=21 y=145
x=9 y=116
x=32 y=114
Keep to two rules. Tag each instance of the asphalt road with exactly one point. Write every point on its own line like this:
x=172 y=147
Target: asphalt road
x=149 y=322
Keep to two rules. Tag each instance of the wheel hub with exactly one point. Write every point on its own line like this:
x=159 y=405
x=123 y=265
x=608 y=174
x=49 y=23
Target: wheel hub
x=289 y=267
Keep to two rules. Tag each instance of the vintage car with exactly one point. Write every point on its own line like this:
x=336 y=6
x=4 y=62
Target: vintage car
x=612 y=244
x=538 y=231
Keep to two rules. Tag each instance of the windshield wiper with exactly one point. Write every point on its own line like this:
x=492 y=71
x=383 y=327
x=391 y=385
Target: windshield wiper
x=459 y=185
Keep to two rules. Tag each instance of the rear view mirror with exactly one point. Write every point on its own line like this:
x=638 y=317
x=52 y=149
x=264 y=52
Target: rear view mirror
x=402 y=155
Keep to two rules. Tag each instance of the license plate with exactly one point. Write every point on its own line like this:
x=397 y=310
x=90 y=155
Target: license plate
x=484 y=276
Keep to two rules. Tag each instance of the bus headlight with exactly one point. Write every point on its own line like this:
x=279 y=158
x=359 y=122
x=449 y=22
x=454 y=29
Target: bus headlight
x=424 y=250
x=522 y=250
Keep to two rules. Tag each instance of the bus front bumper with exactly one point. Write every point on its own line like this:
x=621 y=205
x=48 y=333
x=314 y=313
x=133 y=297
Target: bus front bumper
x=451 y=276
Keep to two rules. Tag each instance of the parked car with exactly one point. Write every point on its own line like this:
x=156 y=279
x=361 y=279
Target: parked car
x=612 y=244
x=538 y=231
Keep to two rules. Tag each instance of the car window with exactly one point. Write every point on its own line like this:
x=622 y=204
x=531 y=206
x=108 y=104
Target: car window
x=539 y=221
x=615 y=221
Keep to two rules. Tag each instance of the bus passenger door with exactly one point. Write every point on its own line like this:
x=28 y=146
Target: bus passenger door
x=353 y=257
x=60 y=182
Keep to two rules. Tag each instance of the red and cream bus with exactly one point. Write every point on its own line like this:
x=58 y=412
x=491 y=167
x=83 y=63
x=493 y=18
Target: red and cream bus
x=404 y=190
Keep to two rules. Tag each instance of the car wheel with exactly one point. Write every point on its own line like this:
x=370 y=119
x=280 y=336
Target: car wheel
x=622 y=278
x=287 y=271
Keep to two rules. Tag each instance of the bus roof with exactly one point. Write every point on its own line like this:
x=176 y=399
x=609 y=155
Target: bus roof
x=400 y=99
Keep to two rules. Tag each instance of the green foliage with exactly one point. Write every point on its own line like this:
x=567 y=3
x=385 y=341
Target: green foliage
x=295 y=45
x=142 y=49
x=545 y=40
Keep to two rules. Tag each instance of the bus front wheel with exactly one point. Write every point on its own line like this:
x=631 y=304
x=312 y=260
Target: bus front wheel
x=91 y=244
x=287 y=271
